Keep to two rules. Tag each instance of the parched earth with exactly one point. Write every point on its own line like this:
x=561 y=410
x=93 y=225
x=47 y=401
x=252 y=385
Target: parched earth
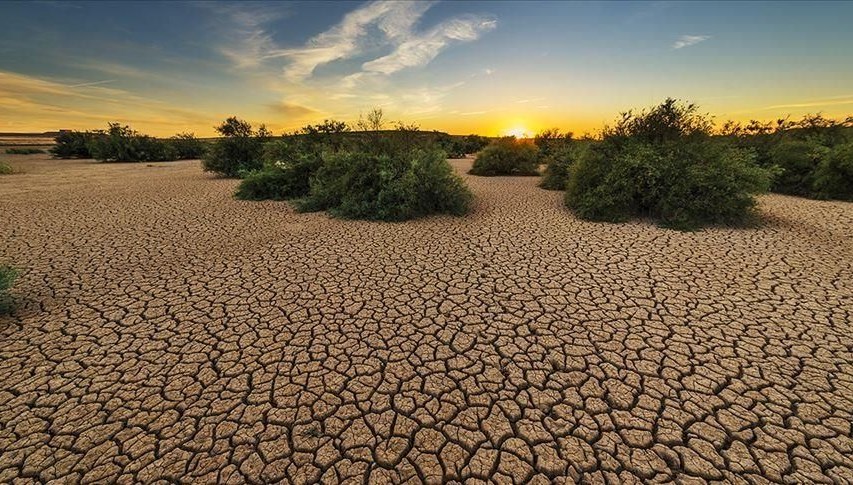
x=166 y=331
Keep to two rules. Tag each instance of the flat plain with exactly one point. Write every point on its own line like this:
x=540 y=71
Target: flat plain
x=165 y=330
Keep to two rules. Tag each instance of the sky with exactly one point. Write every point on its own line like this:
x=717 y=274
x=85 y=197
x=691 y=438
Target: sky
x=490 y=68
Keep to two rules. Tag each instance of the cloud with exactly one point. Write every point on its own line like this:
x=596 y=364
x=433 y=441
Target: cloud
x=377 y=25
x=419 y=50
x=292 y=110
x=688 y=40
x=93 y=83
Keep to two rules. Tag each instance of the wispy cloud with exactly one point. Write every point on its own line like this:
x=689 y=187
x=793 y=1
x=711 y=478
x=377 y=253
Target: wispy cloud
x=376 y=26
x=688 y=40
x=93 y=83
x=418 y=50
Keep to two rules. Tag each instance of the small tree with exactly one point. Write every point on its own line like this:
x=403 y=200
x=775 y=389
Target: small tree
x=374 y=121
x=238 y=151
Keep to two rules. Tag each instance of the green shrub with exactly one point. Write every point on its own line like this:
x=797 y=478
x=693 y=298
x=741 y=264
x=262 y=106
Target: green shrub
x=120 y=143
x=238 y=151
x=559 y=163
x=5 y=169
x=797 y=161
x=7 y=278
x=506 y=156
x=23 y=151
x=72 y=144
x=185 y=146
x=833 y=178
x=387 y=184
x=663 y=164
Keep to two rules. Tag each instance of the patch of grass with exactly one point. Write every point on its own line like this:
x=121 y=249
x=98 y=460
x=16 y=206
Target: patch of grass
x=6 y=169
x=24 y=151
x=507 y=156
x=7 y=279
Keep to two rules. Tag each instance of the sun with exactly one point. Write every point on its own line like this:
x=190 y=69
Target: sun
x=518 y=132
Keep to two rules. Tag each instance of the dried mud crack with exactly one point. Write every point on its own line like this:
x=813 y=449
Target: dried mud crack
x=166 y=331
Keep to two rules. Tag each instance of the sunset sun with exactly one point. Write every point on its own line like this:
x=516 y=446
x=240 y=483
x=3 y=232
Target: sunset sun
x=517 y=131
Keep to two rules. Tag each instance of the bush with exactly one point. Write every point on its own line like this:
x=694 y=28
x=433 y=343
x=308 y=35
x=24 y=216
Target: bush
x=559 y=163
x=5 y=169
x=23 y=151
x=797 y=161
x=72 y=144
x=833 y=178
x=185 y=146
x=238 y=151
x=7 y=278
x=286 y=175
x=387 y=184
x=122 y=144
x=664 y=165
x=506 y=156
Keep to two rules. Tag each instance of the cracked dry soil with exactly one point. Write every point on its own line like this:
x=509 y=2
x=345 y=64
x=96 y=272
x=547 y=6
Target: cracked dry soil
x=166 y=331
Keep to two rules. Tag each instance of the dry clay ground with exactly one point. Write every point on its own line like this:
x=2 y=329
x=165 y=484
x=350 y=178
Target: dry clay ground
x=168 y=331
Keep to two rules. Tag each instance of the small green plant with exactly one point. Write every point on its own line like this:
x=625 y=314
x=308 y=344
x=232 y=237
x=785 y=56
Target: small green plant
x=5 y=169
x=507 y=156
x=23 y=151
x=238 y=151
x=7 y=278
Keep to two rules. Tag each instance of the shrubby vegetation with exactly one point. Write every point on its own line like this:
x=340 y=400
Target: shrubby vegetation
x=507 y=156
x=5 y=169
x=23 y=151
x=238 y=151
x=387 y=184
x=7 y=278
x=120 y=143
x=389 y=175
x=73 y=144
x=664 y=164
x=560 y=162
x=809 y=154
x=185 y=146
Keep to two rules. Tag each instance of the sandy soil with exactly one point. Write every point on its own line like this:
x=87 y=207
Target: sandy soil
x=168 y=331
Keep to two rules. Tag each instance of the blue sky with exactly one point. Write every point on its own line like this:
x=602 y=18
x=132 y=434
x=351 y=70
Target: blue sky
x=487 y=67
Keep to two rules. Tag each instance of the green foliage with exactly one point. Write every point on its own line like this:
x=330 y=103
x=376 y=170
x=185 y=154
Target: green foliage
x=833 y=178
x=5 y=169
x=290 y=164
x=7 y=278
x=238 y=151
x=800 y=150
x=507 y=156
x=185 y=146
x=120 y=143
x=798 y=160
x=388 y=184
x=551 y=142
x=663 y=164
x=460 y=146
x=23 y=151
x=72 y=144
x=559 y=163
